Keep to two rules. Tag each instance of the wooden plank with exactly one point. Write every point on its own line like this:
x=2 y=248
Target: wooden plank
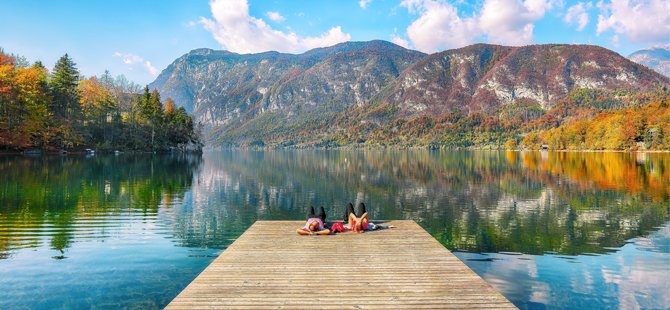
x=272 y=267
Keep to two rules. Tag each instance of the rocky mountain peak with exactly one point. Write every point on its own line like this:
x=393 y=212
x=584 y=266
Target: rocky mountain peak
x=228 y=90
x=655 y=57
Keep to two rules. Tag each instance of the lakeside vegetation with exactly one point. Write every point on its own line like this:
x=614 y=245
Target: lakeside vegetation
x=641 y=127
x=587 y=119
x=62 y=110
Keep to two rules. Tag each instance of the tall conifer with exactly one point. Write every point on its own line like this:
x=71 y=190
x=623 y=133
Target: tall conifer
x=65 y=101
x=63 y=88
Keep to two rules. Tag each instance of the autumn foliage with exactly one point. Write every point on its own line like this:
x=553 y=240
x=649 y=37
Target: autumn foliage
x=23 y=104
x=642 y=127
x=63 y=111
x=586 y=119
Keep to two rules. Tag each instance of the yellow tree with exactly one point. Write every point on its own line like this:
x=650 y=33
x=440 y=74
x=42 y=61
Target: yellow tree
x=97 y=107
x=23 y=104
x=511 y=144
x=96 y=102
x=7 y=97
x=169 y=106
x=31 y=90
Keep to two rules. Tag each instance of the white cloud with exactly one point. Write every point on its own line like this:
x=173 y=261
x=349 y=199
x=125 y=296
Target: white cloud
x=537 y=8
x=237 y=31
x=275 y=16
x=615 y=40
x=440 y=25
x=400 y=41
x=577 y=14
x=152 y=70
x=332 y=37
x=641 y=21
x=132 y=60
x=511 y=22
x=364 y=3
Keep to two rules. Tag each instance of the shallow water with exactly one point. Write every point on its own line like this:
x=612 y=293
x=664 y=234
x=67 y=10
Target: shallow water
x=548 y=230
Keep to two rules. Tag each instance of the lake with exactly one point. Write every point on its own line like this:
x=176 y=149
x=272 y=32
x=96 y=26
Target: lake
x=547 y=229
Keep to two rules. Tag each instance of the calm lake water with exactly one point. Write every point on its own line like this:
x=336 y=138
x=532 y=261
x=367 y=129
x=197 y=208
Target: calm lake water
x=548 y=230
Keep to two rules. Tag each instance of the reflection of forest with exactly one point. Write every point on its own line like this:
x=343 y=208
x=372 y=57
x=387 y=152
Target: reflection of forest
x=475 y=201
x=647 y=174
x=58 y=199
x=531 y=202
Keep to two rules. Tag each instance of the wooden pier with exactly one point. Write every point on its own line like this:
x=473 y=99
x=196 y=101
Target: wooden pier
x=272 y=267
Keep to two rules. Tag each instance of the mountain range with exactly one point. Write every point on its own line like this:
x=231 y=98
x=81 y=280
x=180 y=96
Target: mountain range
x=276 y=99
x=656 y=57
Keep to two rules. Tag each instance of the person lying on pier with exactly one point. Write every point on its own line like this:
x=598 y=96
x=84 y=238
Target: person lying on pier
x=315 y=223
x=356 y=221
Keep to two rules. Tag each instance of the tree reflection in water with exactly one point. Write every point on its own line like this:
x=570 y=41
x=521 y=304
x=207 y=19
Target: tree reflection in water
x=53 y=198
x=530 y=202
x=159 y=220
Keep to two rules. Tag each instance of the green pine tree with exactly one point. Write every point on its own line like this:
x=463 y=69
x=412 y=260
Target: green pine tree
x=65 y=102
x=63 y=88
x=152 y=112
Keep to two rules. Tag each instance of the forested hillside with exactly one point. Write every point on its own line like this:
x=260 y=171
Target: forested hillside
x=591 y=121
x=63 y=111
x=379 y=94
x=586 y=120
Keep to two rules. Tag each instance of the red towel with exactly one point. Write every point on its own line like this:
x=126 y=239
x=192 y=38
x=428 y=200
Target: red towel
x=336 y=227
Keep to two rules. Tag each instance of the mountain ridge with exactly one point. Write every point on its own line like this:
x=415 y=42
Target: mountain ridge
x=228 y=91
x=655 y=57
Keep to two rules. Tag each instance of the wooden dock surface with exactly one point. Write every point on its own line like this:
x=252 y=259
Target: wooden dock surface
x=272 y=267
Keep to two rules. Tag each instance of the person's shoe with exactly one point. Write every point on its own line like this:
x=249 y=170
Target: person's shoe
x=347 y=211
x=322 y=214
x=310 y=213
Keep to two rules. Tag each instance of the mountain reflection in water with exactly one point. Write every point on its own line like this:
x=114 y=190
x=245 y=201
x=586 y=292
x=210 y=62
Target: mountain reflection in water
x=547 y=229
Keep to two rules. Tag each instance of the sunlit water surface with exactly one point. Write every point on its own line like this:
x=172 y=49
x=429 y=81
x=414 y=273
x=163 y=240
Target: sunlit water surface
x=548 y=230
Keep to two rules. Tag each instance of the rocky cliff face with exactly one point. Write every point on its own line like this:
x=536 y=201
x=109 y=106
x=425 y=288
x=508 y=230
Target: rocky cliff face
x=219 y=87
x=225 y=90
x=484 y=77
x=656 y=58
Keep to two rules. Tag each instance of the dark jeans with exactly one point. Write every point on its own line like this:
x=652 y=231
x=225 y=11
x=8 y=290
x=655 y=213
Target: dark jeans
x=360 y=209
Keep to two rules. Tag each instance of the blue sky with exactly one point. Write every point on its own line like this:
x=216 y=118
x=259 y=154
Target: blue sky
x=140 y=38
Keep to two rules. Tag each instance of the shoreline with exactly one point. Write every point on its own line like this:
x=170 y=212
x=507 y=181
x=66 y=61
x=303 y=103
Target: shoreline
x=428 y=148
x=51 y=153
x=346 y=147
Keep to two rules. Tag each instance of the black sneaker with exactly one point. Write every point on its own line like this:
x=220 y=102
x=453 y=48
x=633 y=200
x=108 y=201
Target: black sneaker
x=347 y=211
x=322 y=214
x=310 y=213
